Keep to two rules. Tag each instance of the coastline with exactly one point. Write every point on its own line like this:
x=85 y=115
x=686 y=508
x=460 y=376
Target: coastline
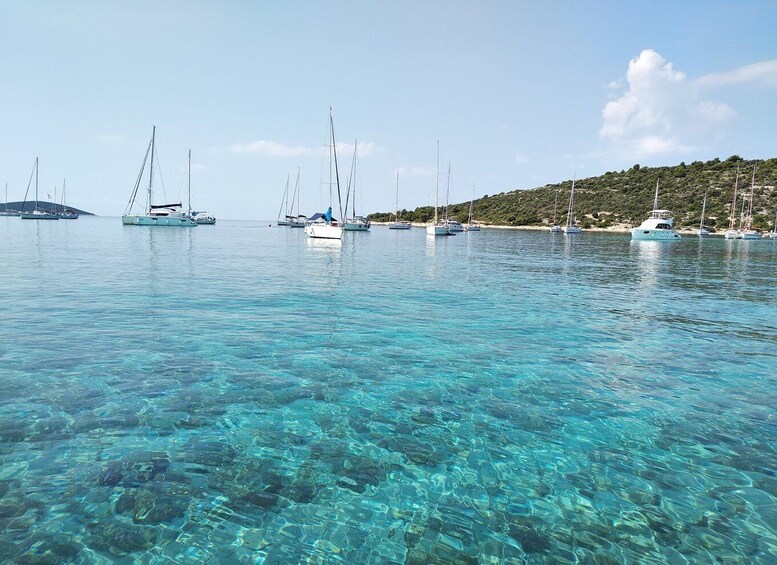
x=612 y=229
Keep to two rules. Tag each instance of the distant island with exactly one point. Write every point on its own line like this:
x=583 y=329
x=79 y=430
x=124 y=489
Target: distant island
x=29 y=206
x=624 y=198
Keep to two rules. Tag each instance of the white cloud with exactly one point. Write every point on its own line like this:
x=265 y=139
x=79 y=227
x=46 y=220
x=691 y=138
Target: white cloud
x=275 y=149
x=110 y=139
x=764 y=72
x=660 y=111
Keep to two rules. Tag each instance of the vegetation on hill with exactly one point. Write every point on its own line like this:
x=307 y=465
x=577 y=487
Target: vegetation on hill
x=29 y=206
x=626 y=197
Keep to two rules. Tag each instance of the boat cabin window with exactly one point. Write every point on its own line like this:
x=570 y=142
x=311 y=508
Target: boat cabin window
x=663 y=227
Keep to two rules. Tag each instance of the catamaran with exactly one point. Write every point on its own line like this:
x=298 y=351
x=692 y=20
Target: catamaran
x=156 y=214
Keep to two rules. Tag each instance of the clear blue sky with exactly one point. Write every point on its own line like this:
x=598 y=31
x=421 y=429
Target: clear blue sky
x=519 y=94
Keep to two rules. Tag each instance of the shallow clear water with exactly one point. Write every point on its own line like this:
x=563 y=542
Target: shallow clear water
x=241 y=394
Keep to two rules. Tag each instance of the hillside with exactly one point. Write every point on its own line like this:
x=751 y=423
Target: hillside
x=626 y=197
x=29 y=205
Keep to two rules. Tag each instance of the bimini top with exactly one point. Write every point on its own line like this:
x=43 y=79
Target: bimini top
x=660 y=214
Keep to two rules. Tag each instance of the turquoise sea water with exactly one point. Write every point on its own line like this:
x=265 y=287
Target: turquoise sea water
x=241 y=394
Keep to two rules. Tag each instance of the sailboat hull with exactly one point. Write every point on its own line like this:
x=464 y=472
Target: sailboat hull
x=154 y=221
x=400 y=226
x=39 y=216
x=324 y=231
x=355 y=226
x=437 y=230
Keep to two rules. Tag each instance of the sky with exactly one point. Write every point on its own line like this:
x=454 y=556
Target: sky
x=519 y=94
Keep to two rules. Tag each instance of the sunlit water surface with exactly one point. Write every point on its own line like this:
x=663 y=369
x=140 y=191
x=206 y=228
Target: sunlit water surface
x=241 y=394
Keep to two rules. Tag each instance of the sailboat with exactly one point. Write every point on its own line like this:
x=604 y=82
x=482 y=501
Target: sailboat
x=398 y=224
x=66 y=213
x=555 y=228
x=325 y=226
x=572 y=226
x=298 y=220
x=354 y=222
x=202 y=218
x=703 y=232
x=36 y=214
x=732 y=232
x=454 y=227
x=747 y=231
x=471 y=224
x=156 y=214
x=6 y=211
x=283 y=213
x=437 y=228
x=658 y=226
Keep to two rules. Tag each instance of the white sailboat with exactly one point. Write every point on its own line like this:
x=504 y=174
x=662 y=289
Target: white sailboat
x=325 y=226
x=66 y=213
x=747 y=231
x=732 y=232
x=703 y=232
x=453 y=226
x=156 y=214
x=298 y=220
x=572 y=226
x=472 y=225
x=36 y=214
x=202 y=218
x=6 y=211
x=354 y=222
x=658 y=226
x=555 y=228
x=283 y=212
x=437 y=228
x=398 y=224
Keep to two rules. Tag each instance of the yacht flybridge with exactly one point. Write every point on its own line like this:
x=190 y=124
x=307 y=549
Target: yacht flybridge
x=658 y=226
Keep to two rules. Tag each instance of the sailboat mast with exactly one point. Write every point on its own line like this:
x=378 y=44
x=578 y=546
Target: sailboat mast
x=655 y=201
x=151 y=170
x=190 y=182
x=296 y=192
x=36 y=183
x=353 y=180
x=734 y=202
x=703 y=209
x=437 y=183
x=337 y=172
x=396 y=199
x=571 y=208
x=471 y=204
x=448 y=193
